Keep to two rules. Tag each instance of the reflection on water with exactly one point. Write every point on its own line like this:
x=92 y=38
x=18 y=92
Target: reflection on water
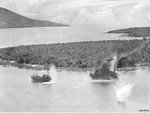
x=73 y=91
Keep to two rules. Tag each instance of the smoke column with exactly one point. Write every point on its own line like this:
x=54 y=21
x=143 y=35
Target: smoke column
x=53 y=73
x=113 y=63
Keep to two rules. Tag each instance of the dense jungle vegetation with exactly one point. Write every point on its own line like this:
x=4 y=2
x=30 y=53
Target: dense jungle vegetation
x=134 y=32
x=80 y=54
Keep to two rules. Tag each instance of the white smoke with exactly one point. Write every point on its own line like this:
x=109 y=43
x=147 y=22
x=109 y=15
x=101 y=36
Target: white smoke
x=123 y=92
x=53 y=73
x=113 y=63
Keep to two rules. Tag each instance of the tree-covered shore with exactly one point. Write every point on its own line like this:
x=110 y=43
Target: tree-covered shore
x=134 y=31
x=80 y=54
x=6 y=63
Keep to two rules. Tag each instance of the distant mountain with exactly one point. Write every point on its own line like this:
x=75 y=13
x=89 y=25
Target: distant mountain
x=9 y=19
x=134 y=32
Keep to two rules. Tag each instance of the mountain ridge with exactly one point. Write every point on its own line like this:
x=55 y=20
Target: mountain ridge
x=10 y=19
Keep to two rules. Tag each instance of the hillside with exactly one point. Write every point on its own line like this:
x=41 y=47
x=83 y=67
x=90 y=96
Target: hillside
x=134 y=32
x=78 y=54
x=9 y=19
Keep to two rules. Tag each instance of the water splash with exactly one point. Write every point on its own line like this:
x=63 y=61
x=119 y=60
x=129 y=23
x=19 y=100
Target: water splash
x=123 y=92
x=113 y=63
x=53 y=73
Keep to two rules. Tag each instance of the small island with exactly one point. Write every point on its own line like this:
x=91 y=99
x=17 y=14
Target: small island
x=37 y=78
x=44 y=78
x=103 y=71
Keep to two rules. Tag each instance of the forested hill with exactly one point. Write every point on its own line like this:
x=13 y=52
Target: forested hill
x=134 y=32
x=78 y=54
x=9 y=19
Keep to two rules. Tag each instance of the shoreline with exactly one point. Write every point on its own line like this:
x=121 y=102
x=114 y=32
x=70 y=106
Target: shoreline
x=6 y=63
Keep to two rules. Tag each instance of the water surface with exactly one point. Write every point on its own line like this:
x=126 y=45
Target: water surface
x=72 y=92
x=28 y=36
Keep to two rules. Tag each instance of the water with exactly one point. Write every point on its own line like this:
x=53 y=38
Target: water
x=26 y=36
x=72 y=92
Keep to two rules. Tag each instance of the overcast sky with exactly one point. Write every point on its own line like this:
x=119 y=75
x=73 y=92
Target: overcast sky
x=88 y=19
x=105 y=13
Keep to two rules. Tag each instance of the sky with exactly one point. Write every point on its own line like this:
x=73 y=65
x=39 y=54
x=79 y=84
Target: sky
x=89 y=19
x=105 y=14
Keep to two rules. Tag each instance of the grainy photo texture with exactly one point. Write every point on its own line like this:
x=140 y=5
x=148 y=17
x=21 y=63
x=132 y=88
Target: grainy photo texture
x=75 y=56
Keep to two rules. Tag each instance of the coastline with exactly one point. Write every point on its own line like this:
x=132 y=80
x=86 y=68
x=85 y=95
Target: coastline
x=6 y=63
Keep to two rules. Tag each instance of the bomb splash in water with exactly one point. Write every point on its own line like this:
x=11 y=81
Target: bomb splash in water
x=53 y=73
x=123 y=92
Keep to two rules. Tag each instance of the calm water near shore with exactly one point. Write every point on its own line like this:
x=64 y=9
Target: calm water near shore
x=28 y=36
x=71 y=92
